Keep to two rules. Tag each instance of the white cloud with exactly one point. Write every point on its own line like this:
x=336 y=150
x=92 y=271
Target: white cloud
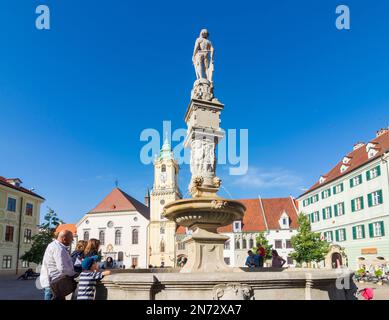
x=267 y=178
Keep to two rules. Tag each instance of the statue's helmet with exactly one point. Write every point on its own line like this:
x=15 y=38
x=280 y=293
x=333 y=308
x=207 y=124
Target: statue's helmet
x=204 y=33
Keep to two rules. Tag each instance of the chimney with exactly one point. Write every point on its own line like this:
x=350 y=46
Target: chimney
x=381 y=131
x=358 y=145
x=15 y=182
x=147 y=198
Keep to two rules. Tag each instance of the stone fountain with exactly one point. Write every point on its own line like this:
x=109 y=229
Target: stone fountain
x=205 y=275
x=205 y=211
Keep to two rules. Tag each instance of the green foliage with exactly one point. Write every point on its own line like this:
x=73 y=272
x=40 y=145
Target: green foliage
x=261 y=240
x=42 y=239
x=307 y=244
x=378 y=273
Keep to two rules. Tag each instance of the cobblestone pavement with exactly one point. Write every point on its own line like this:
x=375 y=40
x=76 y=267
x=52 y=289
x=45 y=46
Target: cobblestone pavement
x=12 y=289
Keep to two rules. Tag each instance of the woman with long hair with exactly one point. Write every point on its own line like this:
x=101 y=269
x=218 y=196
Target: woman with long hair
x=92 y=248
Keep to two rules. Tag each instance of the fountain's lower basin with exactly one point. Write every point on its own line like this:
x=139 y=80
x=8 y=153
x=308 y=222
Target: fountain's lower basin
x=203 y=215
x=237 y=284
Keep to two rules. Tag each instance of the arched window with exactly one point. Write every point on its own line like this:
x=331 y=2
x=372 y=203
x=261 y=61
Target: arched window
x=86 y=235
x=237 y=244
x=120 y=256
x=162 y=246
x=251 y=243
x=244 y=244
x=118 y=237
x=163 y=168
x=135 y=236
x=102 y=237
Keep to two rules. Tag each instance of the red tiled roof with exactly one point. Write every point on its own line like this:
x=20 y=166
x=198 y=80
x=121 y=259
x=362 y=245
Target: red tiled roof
x=5 y=182
x=117 y=200
x=359 y=157
x=253 y=219
x=275 y=207
x=66 y=226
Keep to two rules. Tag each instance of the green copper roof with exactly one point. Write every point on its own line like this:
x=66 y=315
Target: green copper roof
x=166 y=151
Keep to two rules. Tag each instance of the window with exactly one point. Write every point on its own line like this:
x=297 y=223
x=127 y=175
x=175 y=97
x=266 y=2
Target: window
x=134 y=262
x=237 y=244
x=305 y=202
x=373 y=173
x=135 y=235
x=237 y=226
x=314 y=198
x=29 y=209
x=327 y=213
x=374 y=198
x=340 y=235
x=227 y=245
x=244 y=244
x=339 y=209
x=284 y=221
x=11 y=205
x=7 y=262
x=120 y=256
x=288 y=244
x=86 y=235
x=315 y=216
x=278 y=244
x=357 y=204
x=162 y=246
x=251 y=243
x=9 y=234
x=25 y=264
x=163 y=168
x=355 y=181
x=326 y=193
x=118 y=237
x=227 y=260
x=102 y=237
x=181 y=245
x=162 y=230
x=328 y=236
x=27 y=236
x=338 y=188
x=289 y=260
x=359 y=232
x=376 y=229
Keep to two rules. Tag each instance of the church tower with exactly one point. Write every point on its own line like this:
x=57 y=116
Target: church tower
x=165 y=190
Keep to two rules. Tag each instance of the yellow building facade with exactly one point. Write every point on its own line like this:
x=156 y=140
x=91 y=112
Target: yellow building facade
x=162 y=244
x=19 y=220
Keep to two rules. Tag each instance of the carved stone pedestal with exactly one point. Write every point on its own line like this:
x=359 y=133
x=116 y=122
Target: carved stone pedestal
x=205 y=250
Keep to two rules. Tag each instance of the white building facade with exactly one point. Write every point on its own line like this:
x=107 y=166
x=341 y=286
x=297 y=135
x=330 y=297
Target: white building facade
x=349 y=205
x=120 y=222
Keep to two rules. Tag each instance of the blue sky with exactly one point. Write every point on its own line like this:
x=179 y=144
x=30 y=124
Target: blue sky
x=74 y=99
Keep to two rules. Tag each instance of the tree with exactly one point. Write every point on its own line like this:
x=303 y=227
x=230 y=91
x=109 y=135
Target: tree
x=261 y=240
x=307 y=244
x=42 y=239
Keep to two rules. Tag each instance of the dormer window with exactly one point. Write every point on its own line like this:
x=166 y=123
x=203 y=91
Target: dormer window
x=343 y=168
x=371 y=153
x=346 y=160
x=322 y=179
x=284 y=221
x=15 y=182
x=358 y=145
x=237 y=226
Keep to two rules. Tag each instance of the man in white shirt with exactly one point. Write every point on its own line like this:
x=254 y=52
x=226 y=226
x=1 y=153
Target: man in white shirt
x=56 y=261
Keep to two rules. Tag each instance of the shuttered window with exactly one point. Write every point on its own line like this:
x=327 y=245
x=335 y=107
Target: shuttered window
x=375 y=198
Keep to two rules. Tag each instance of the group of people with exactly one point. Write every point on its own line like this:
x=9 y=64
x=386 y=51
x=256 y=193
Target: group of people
x=60 y=268
x=256 y=260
